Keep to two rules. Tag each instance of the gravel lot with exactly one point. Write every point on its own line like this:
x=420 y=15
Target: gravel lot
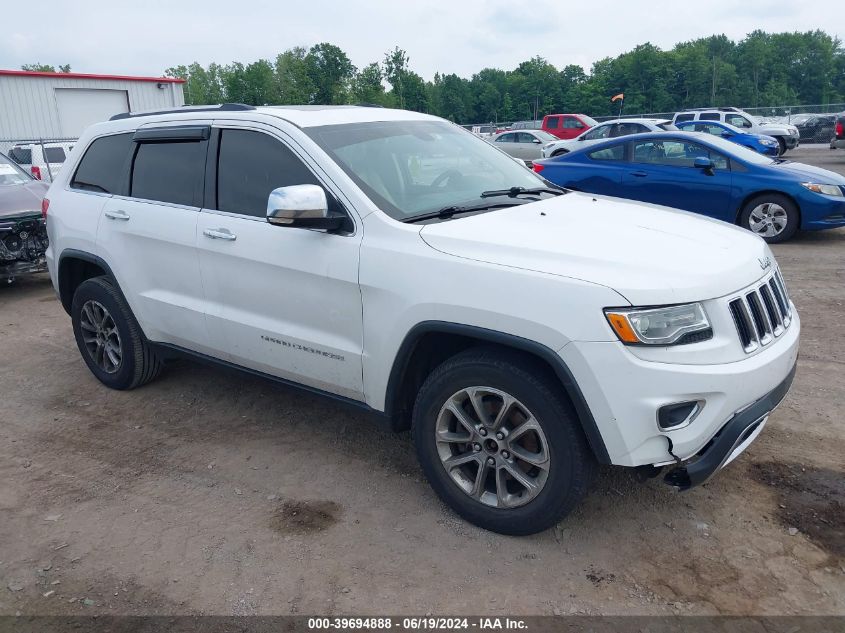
x=210 y=492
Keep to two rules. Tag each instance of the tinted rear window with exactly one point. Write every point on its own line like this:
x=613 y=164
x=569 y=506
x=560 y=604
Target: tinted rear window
x=54 y=154
x=169 y=172
x=684 y=117
x=21 y=155
x=102 y=167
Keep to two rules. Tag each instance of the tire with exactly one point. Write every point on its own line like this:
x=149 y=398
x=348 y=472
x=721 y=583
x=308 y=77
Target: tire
x=560 y=152
x=779 y=207
x=109 y=338
x=781 y=145
x=501 y=503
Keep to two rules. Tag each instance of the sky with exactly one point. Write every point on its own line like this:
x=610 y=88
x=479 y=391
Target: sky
x=462 y=37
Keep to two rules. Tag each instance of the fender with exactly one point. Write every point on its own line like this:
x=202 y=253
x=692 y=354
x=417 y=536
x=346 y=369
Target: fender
x=585 y=416
x=87 y=257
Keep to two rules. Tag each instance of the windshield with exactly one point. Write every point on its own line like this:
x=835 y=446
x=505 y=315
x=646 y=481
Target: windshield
x=11 y=174
x=412 y=167
x=589 y=120
x=743 y=153
x=545 y=136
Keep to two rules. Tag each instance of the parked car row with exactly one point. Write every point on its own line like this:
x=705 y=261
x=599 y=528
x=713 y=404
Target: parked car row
x=707 y=174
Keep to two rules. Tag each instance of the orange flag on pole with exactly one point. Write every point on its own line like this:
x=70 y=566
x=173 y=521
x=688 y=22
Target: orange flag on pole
x=618 y=97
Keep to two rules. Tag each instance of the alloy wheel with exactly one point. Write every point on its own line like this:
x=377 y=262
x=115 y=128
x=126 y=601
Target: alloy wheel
x=768 y=219
x=492 y=447
x=100 y=335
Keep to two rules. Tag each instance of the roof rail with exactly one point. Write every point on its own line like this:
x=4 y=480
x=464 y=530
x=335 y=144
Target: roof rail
x=224 y=107
x=720 y=109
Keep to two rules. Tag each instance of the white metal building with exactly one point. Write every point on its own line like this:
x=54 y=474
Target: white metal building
x=37 y=105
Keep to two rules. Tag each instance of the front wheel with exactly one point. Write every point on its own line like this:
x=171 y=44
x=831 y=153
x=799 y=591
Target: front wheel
x=781 y=146
x=773 y=216
x=499 y=443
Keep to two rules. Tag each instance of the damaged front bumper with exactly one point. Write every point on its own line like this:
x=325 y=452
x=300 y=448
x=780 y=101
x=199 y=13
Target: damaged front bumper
x=731 y=440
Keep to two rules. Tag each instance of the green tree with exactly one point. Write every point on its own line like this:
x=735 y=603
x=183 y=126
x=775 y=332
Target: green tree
x=331 y=73
x=45 y=68
x=367 y=86
x=293 y=80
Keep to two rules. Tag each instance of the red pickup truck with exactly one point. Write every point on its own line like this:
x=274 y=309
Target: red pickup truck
x=567 y=126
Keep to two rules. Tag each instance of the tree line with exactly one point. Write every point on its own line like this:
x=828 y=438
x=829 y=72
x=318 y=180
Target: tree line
x=763 y=69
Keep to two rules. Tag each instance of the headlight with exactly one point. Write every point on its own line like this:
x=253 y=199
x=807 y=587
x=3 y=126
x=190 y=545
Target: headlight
x=828 y=190
x=768 y=142
x=672 y=325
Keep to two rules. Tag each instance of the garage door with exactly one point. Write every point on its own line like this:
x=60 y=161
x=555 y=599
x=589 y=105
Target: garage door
x=80 y=107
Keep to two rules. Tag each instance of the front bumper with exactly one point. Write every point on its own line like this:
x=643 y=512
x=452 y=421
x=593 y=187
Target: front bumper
x=624 y=393
x=731 y=440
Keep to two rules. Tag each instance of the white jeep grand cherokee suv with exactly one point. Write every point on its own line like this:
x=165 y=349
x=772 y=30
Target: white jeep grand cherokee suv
x=397 y=263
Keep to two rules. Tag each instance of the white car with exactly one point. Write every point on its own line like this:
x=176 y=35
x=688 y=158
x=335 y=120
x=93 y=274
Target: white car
x=526 y=145
x=42 y=161
x=395 y=262
x=604 y=131
x=786 y=134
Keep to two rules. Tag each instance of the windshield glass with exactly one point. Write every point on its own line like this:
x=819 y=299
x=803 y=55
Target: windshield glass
x=545 y=136
x=11 y=174
x=412 y=167
x=743 y=153
x=589 y=120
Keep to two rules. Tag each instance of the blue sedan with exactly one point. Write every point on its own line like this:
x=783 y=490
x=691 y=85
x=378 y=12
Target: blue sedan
x=708 y=175
x=758 y=142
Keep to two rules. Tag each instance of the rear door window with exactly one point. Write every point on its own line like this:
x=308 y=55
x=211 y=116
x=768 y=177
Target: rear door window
x=552 y=122
x=103 y=167
x=709 y=116
x=169 y=172
x=684 y=117
x=614 y=152
x=507 y=138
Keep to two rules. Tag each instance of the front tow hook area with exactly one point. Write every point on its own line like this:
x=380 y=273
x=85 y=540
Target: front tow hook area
x=731 y=439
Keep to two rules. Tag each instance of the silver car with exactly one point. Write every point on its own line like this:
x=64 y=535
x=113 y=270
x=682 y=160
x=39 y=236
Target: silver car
x=525 y=144
x=606 y=130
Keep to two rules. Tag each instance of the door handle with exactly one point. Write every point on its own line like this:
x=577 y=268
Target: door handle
x=117 y=215
x=220 y=234
x=639 y=174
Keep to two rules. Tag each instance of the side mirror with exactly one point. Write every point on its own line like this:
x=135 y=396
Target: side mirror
x=537 y=141
x=704 y=163
x=302 y=206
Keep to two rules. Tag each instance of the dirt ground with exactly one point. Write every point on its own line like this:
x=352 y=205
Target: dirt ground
x=215 y=493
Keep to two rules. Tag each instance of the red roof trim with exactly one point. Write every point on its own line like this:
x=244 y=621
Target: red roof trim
x=32 y=73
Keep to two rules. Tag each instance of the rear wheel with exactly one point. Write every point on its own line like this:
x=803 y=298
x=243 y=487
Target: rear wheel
x=109 y=338
x=772 y=216
x=499 y=443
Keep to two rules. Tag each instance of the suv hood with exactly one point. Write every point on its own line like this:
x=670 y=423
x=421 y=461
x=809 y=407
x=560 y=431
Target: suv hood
x=651 y=255
x=778 y=129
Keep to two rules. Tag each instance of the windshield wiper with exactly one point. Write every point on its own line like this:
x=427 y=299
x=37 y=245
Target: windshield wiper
x=519 y=191
x=447 y=212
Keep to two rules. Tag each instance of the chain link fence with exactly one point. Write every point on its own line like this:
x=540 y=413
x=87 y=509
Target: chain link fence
x=42 y=158
x=793 y=114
